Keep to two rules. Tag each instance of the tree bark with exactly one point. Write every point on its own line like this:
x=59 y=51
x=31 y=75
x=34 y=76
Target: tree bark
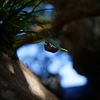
x=17 y=82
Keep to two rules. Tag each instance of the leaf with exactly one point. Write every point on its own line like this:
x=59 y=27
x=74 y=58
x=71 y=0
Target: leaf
x=15 y=25
x=4 y=37
x=37 y=6
x=54 y=44
x=44 y=29
x=43 y=10
x=45 y=38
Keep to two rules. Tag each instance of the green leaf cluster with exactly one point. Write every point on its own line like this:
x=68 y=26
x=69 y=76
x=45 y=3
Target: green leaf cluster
x=15 y=19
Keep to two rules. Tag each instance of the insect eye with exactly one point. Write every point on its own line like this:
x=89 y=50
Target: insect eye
x=48 y=47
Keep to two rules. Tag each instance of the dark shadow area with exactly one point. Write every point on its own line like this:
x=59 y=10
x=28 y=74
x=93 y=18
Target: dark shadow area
x=79 y=93
x=85 y=92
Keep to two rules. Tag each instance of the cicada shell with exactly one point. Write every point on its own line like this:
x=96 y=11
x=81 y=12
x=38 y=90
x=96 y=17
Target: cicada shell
x=48 y=47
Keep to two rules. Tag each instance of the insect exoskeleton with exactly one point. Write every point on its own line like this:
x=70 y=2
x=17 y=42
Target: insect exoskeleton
x=49 y=47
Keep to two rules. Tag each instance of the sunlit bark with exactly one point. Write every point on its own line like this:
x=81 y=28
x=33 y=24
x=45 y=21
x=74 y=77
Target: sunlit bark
x=17 y=82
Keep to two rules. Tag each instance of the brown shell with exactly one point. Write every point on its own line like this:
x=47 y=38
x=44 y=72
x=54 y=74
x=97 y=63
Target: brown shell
x=49 y=48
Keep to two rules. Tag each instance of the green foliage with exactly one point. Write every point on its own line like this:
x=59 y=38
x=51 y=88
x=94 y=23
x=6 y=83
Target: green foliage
x=14 y=19
x=50 y=41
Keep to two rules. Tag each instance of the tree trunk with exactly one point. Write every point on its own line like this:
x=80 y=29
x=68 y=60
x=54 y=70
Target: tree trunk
x=17 y=82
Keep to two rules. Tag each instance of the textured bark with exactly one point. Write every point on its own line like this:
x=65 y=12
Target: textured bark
x=17 y=82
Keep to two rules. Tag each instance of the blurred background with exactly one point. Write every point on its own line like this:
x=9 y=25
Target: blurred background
x=56 y=71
